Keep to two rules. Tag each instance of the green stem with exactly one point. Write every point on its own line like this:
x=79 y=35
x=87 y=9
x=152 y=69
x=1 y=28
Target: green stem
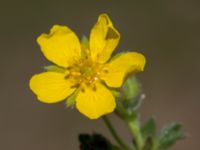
x=114 y=133
x=134 y=126
x=133 y=123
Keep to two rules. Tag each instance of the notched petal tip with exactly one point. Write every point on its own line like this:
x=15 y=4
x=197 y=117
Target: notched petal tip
x=104 y=38
x=105 y=18
x=112 y=33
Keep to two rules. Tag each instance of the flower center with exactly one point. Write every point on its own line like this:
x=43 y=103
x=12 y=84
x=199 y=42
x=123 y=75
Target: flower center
x=84 y=71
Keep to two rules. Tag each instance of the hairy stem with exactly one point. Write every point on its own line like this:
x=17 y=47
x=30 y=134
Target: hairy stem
x=134 y=126
x=114 y=133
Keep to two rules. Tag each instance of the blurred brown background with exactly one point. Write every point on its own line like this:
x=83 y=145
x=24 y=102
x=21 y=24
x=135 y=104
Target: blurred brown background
x=167 y=32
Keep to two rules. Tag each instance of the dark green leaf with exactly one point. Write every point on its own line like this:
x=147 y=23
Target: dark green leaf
x=148 y=131
x=169 y=135
x=148 y=144
x=149 y=128
x=95 y=142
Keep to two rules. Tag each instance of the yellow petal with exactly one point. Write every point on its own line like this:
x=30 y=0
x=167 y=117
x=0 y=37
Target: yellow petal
x=51 y=87
x=103 y=39
x=95 y=101
x=61 y=45
x=115 y=71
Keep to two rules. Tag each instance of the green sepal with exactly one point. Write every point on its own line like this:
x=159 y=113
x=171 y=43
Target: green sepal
x=85 y=47
x=130 y=98
x=131 y=95
x=70 y=102
x=115 y=93
x=85 y=41
x=131 y=88
x=116 y=56
x=135 y=104
x=53 y=68
x=170 y=135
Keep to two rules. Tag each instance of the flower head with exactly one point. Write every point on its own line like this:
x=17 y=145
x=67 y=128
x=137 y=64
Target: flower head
x=87 y=71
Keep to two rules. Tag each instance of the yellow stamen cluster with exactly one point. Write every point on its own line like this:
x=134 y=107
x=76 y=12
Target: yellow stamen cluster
x=84 y=71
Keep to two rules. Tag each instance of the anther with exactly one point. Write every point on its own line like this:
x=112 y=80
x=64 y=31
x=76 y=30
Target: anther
x=94 y=88
x=95 y=78
x=75 y=86
x=74 y=73
x=82 y=90
x=67 y=76
x=105 y=71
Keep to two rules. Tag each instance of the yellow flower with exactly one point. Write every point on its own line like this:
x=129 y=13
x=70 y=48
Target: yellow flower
x=87 y=69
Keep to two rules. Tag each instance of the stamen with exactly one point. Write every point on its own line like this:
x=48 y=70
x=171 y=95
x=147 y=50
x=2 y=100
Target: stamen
x=86 y=72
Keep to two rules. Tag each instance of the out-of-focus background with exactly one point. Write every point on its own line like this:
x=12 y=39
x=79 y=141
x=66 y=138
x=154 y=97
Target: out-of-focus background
x=166 y=32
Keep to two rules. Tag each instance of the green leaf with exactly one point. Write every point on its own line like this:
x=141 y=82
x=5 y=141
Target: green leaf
x=53 y=68
x=170 y=135
x=149 y=128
